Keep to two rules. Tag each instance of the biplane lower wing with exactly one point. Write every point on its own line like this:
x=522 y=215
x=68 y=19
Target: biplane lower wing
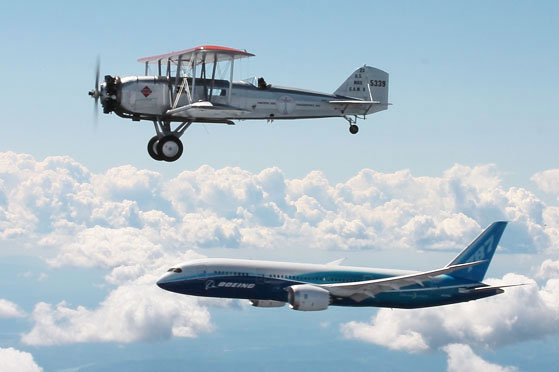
x=206 y=110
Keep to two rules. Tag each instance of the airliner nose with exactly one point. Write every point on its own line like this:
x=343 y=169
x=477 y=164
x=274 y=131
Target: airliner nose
x=163 y=281
x=160 y=283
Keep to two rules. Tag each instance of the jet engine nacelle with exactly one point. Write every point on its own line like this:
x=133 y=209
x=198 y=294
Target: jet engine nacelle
x=267 y=303
x=307 y=297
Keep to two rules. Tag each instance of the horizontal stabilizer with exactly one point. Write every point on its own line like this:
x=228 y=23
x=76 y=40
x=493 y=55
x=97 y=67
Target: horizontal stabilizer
x=356 y=102
x=491 y=288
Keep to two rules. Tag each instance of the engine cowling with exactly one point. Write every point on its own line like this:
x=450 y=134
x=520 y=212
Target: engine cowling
x=306 y=297
x=267 y=303
x=110 y=89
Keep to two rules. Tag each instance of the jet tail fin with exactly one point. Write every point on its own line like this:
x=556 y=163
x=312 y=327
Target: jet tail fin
x=482 y=248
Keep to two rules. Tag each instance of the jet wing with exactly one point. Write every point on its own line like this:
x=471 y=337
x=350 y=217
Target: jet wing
x=359 y=291
x=337 y=262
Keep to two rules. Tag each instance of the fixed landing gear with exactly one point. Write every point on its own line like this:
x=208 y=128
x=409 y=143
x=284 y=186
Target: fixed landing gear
x=353 y=129
x=170 y=148
x=166 y=145
x=152 y=148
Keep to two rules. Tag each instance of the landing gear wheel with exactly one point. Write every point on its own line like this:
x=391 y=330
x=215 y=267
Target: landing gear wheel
x=353 y=129
x=170 y=148
x=152 y=149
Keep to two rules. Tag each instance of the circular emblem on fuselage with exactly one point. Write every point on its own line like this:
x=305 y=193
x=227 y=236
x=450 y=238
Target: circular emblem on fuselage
x=286 y=104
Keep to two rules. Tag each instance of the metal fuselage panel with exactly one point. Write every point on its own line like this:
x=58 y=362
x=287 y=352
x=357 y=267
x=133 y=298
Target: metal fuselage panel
x=264 y=280
x=149 y=97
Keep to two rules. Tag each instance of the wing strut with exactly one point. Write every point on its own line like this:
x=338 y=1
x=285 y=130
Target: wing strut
x=184 y=87
x=213 y=78
x=230 y=81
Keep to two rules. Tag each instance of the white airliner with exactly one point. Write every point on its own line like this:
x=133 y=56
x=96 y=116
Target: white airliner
x=309 y=287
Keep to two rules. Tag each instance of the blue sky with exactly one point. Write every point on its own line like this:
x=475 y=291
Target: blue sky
x=86 y=217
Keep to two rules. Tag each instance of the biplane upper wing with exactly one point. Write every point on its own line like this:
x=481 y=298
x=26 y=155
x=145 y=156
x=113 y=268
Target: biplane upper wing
x=200 y=53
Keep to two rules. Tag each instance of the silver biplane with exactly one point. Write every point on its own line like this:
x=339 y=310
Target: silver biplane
x=189 y=92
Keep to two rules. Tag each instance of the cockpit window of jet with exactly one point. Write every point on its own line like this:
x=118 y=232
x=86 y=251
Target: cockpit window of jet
x=310 y=287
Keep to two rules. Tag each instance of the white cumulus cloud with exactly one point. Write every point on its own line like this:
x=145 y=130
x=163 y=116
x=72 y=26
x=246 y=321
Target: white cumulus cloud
x=13 y=360
x=521 y=313
x=549 y=269
x=127 y=214
x=9 y=309
x=133 y=312
x=461 y=358
x=136 y=310
x=548 y=181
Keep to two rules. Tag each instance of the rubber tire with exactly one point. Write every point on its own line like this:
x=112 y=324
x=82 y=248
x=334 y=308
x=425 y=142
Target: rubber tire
x=164 y=140
x=353 y=129
x=152 y=146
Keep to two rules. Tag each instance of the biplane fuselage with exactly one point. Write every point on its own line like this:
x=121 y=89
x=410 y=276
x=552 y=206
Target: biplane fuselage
x=192 y=93
x=148 y=97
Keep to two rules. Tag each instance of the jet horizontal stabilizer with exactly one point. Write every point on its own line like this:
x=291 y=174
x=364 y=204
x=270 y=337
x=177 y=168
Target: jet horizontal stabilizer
x=498 y=288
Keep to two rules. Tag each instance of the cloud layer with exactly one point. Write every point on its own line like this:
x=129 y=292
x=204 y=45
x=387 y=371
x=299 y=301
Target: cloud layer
x=130 y=215
x=135 y=223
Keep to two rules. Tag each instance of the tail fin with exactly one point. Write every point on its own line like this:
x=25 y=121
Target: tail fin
x=369 y=84
x=482 y=248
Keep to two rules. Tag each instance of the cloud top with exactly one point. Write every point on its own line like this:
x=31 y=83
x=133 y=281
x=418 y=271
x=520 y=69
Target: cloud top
x=16 y=360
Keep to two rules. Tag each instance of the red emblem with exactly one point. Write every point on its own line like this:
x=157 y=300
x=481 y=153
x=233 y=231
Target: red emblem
x=146 y=91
